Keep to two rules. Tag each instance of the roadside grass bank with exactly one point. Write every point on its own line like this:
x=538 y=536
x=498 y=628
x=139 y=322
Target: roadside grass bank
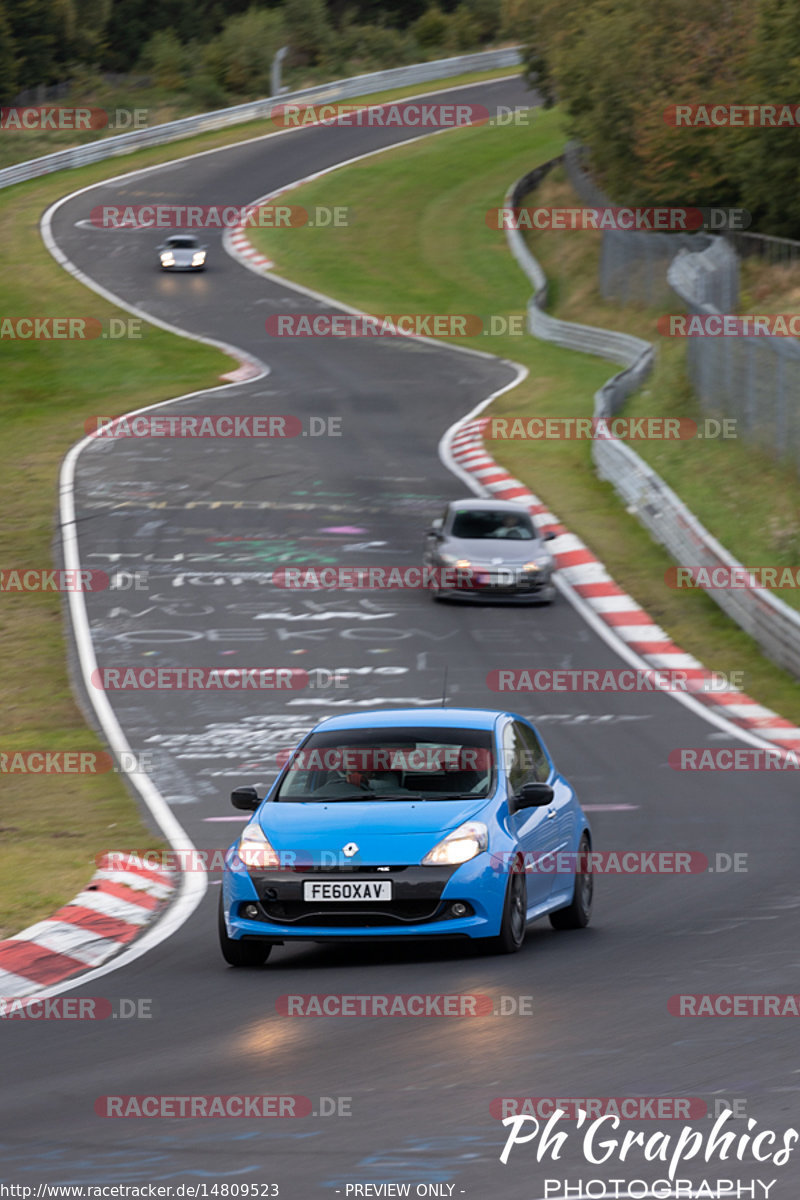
x=443 y=258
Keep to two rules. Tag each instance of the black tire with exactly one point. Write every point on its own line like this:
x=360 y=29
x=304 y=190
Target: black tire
x=513 y=925
x=241 y=953
x=578 y=912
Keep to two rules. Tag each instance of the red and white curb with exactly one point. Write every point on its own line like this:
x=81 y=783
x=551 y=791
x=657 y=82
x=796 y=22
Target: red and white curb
x=248 y=370
x=114 y=909
x=241 y=246
x=589 y=580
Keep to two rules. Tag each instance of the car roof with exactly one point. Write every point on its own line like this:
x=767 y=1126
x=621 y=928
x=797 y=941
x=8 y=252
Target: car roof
x=184 y=237
x=429 y=718
x=471 y=503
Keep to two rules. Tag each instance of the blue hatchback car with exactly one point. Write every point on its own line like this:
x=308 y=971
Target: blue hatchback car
x=408 y=823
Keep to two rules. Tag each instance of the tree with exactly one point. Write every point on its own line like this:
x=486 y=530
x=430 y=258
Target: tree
x=307 y=29
x=240 y=58
x=8 y=70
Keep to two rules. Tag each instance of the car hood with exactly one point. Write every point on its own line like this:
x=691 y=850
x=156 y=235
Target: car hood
x=507 y=550
x=385 y=831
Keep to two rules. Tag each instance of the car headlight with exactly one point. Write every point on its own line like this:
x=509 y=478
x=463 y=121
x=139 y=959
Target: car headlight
x=199 y=258
x=531 y=566
x=254 y=848
x=460 y=846
x=167 y=260
x=463 y=564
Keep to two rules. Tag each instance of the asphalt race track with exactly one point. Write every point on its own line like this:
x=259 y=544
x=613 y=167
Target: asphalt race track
x=596 y=1023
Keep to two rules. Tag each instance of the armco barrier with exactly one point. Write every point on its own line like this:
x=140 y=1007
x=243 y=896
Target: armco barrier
x=341 y=89
x=772 y=623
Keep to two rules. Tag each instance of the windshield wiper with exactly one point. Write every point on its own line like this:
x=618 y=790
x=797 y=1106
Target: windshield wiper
x=457 y=796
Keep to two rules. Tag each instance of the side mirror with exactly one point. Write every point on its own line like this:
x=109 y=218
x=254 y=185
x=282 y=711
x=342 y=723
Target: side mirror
x=246 y=798
x=549 y=536
x=535 y=795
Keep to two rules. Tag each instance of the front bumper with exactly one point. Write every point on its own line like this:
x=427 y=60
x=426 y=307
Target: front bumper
x=487 y=587
x=421 y=904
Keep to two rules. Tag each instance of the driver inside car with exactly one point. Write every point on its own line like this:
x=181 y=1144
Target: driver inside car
x=511 y=527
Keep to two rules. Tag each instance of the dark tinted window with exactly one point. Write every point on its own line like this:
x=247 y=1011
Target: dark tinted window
x=397 y=764
x=486 y=523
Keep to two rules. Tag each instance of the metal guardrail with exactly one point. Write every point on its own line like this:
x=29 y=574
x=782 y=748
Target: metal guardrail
x=772 y=623
x=755 y=380
x=633 y=265
x=778 y=251
x=341 y=89
x=636 y=354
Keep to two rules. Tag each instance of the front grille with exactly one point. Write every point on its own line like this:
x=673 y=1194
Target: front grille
x=416 y=896
x=412 y=912
x=343 y=868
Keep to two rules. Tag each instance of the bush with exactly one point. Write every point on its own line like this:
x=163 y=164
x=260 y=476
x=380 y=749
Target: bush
x=355 y=47
x=239 y=59
x=463 y=30
x=166 y=60
x=203 y=90
x=308 y=31
x=486 y=15
x=430 y=30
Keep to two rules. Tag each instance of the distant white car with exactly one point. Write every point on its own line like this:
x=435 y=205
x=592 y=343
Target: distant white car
x=182 y=252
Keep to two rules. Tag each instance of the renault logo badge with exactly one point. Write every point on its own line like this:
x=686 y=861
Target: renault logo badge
x=350 y=849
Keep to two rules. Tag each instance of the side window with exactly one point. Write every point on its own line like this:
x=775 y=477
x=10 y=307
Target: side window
x=515 y=757
x=537 y=758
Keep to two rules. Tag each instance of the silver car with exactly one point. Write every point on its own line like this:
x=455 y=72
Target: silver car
x=484 y=549
x=182 y=252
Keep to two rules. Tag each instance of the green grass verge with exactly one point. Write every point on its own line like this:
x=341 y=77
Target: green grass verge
x=52 y=827
x=421 y=244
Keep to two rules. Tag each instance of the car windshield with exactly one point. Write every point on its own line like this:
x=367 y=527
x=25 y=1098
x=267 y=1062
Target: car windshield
x=390 y=764
x=182 y=243
x=488 y=524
